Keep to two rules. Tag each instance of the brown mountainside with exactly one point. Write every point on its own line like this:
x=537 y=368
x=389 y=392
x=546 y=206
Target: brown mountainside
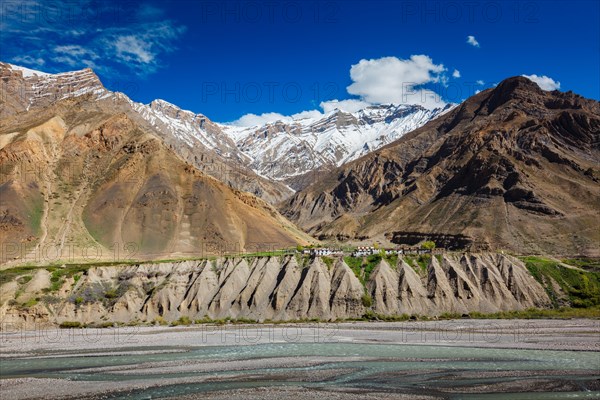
x=193 y=137
x=513 y=167
x=80 y=181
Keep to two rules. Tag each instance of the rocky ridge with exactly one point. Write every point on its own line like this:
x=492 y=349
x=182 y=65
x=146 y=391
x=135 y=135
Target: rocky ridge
x=192 y=136
x=272 y=288
x=297 y=151
x=268 y=161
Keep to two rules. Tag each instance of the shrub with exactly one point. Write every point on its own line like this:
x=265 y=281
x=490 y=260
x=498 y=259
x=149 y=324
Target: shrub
x=182 y=321
x=428 y=245
x=70 y=324
x=24 y=279
x=328 y=261
x=31 y=303
x=367 y=300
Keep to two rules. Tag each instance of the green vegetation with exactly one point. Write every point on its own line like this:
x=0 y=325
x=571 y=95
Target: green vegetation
x=369 y=315
x=419 y=263
x=185 y=321
x=328 y=261
x=103 y=325
x=272 y=253
x=428 y=245
x=22 y=280
x=159 y=321
x=31 y=303
x=56 y=281
x=363 y=266
x=70 y=324
x=372 y=261
x=11 y=274
x=111 y=293
x=581 y=287
x=355 y=265
x=589 y=264
x=391 y=259
x=37 y=212
x=59 y=274
x=367 y=300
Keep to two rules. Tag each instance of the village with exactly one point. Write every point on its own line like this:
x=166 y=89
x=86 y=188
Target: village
x=364 y=251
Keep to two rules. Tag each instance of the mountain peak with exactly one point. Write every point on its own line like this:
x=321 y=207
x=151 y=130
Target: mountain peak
x=25 y=72
x=514 y=88
x=516 y=83
x=39 y=89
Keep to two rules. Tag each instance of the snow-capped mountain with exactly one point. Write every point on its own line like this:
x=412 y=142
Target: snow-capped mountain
x=193 y=136
x=27 y=88
x=287 y=150
x=282 y=152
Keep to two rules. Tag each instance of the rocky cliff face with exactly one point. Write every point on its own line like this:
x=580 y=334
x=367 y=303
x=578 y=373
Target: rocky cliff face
x=274 y=288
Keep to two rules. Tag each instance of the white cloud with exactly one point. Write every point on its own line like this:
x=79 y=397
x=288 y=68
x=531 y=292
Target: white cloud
x=544 y=82
x=480 y=82
x=250 y=120
x=378 y=81
x=75 y=50
x=74 y=55
x=29 y=60
x=308 y=114
x=349 y=105
x=141 y=51
x=472 y=41
x=137 y=44
x=389 y=79
x=456 y=74
x=131 y=48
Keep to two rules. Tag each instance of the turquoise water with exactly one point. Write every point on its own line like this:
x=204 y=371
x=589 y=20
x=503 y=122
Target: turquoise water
x=424 y=369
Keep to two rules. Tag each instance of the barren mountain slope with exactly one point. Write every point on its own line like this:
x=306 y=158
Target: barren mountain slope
x=513 y=167
x=193 y=136
x=81 y=182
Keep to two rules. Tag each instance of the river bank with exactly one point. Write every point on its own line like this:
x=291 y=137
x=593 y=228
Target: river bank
x=395 y=360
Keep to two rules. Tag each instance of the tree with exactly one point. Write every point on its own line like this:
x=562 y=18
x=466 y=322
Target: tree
x=428 y=245
x=299 y=248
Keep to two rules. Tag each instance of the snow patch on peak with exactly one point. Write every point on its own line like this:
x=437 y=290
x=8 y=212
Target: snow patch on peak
x=27 y=72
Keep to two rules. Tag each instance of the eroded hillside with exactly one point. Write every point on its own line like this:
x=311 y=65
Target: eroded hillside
x=282 y=288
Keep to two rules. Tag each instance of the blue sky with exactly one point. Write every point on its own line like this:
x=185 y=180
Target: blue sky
x=227 y=59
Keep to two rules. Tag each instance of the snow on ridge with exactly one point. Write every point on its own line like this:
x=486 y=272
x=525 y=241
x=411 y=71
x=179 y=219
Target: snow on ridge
x=277 y=150
x=27 y=72
x=283 y=150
